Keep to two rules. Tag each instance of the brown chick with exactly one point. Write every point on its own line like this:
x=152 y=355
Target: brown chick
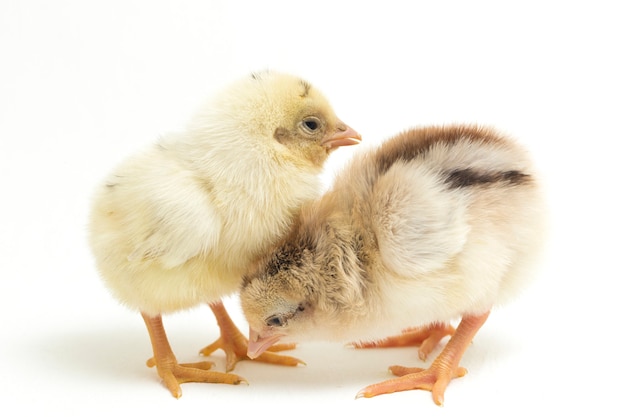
x=178 y=224
x=436 y=224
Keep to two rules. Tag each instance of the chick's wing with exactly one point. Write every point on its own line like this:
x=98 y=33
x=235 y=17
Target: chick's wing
x=188 y=232
x=418 y=224
x=162 y=213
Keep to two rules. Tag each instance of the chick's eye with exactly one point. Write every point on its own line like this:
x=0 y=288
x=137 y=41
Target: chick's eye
x=276 y=321
x=311 y=124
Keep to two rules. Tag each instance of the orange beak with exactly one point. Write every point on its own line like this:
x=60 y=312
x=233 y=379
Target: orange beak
x=343 y=136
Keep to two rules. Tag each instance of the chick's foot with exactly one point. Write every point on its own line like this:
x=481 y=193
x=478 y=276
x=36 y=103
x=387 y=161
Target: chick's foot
x=443 y=369
x=173 y=373
x=426 y=338
x=434 y=379
x=235 y=344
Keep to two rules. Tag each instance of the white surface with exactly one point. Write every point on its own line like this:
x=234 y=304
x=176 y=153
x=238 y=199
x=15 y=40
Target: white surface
x=83 y=84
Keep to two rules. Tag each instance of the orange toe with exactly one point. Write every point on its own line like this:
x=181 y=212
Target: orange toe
x=235 y=344
x=434 y=379
x=175 y=374
x=427 y=338
x=171 y=372
x=443 y=369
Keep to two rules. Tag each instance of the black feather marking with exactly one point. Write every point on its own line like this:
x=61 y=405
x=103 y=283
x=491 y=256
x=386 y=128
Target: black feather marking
x=406 y=153
x=307 y=88
x=415 y=143
x=287 y=257
x=468 y=177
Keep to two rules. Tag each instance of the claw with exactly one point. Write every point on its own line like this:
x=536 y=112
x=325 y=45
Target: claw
x=443 y=369
x=235 y=344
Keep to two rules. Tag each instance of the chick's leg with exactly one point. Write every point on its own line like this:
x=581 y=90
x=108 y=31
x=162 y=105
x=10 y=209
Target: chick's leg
x=173 y=373
x=235 y=344
x=443 y=369
x=426 y=338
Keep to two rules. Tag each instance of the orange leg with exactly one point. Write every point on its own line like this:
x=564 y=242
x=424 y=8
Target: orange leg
x=443 y=369
x=235 y=344
x=173 y=373
x=426 y=338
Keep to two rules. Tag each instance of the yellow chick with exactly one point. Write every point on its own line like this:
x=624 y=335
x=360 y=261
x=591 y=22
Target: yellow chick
x=436 y=224
x=178 y=224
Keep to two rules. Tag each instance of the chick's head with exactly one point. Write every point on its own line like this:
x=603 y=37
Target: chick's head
x=309 y=287
x=279 y=298
x=285 y=114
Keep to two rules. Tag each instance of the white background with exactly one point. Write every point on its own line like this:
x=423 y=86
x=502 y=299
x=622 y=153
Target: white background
x=84 y=84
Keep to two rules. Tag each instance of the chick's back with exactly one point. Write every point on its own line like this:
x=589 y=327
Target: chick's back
x=454 y=215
